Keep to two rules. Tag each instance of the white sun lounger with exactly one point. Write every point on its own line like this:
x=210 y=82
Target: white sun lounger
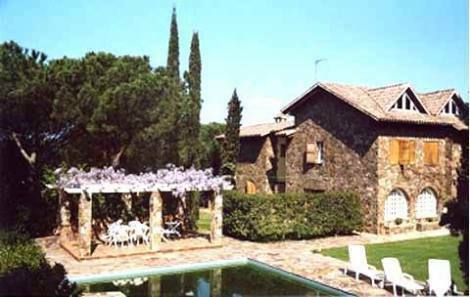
x=358 y=264
x=440 y=279
x=397 y=278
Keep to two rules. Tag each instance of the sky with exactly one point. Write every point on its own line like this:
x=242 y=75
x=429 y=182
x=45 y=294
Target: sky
x=266 y=49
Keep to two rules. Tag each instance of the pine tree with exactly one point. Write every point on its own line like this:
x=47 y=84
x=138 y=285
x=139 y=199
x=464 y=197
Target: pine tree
x=173 y=63
x=231 y=146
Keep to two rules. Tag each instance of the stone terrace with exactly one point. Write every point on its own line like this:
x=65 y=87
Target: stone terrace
x=293 y=256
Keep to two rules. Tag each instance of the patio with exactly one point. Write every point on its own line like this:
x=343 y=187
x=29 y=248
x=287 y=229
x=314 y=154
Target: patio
x=302 y=262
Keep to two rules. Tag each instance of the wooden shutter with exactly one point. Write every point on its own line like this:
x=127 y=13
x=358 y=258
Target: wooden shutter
x=250 y=187
x=394 y=151
x=431 y=153
x=311 y=153
x=412 y=151
x=404 y=152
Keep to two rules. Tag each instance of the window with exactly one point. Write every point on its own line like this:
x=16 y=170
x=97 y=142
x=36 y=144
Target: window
x=451 y=108
x=404 y=103
x=396 y=206
x=320 y=153
x=402 y=152
x=250 y=187
x=431 y=153
x=315 y=153
x=426 y=204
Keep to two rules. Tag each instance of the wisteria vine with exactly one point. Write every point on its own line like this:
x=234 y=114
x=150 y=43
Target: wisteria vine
x=172 y=178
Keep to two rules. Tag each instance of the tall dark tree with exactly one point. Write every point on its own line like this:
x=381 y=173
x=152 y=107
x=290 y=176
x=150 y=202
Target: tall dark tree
x=28 y=139
x=173 y=62
x=231 y=145
x=191 y=109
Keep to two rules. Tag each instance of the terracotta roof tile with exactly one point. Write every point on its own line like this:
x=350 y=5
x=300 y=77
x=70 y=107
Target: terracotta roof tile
x=260 y=130
x=436 y=100
x=376 y=103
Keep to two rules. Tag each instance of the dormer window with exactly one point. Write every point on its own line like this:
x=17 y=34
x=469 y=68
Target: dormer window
x=404 y=103
x=450 y=108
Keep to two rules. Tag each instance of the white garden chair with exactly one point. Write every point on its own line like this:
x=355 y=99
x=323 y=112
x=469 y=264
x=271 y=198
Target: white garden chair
x=172 y=229
x=138 y=231
x=440 y=279
x=118 y=233
x=397 y=278
x=358 y=264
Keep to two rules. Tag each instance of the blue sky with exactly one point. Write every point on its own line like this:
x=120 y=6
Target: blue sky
x=266 y=49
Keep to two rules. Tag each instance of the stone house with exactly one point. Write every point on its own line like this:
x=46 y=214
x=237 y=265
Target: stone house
x=398 y=149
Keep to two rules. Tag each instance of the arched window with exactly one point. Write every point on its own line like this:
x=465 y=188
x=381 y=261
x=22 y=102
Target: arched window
x=396 y=206
x=426 y=204
x=250 y=187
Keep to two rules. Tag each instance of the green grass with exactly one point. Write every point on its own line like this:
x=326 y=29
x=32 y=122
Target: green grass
x=204 y=222
x=413 y=255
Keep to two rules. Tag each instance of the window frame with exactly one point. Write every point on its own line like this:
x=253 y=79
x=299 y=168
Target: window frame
x=320 y=159
x=426 y=211
x=389 y=213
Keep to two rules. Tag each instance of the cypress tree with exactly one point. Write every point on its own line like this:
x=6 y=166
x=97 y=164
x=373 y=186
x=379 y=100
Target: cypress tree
x=173 y=63
x=231 y=145
x=191 y=107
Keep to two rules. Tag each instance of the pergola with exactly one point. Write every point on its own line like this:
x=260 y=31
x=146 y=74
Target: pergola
x=84 y=193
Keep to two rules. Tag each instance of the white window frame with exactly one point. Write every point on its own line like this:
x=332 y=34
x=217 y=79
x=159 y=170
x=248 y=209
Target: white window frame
x=451 y=108
x=395 y=206
x=426 y=204
x=402 y=102
x=320 y=152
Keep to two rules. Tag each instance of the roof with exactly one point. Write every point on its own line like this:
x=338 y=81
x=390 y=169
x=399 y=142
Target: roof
x=261 y=130
x=376 y=102
x=437 y=99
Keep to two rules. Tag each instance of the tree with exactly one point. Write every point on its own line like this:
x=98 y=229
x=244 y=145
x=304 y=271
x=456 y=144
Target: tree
x=210 y=147
x=190 y=119
x=104 y=100
x=173 y=63
x=28 y=138
x=457 y=209
x=231 y=146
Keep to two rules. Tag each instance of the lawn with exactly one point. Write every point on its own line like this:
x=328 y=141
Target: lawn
x=413 y=255
x=204 y=222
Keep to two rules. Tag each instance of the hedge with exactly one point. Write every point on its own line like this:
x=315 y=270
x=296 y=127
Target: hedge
x=264 y=217
x=24 y=270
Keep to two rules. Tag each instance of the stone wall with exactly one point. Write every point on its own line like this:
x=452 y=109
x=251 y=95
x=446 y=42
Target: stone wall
x=350 y=152
x=255 y=163
x=413 y=178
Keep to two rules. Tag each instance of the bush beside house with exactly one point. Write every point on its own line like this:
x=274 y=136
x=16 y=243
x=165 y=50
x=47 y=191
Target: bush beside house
x=24 y=270
x=266 y=217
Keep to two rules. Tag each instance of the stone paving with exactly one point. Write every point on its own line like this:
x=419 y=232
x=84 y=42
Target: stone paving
x=293 y=256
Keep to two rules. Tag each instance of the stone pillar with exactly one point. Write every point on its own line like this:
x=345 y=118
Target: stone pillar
x=154 y=286
x=84 y=223
x=65 y=229
x=127 y=199
x=216 y=208
x=216 y=282
x=155 y=219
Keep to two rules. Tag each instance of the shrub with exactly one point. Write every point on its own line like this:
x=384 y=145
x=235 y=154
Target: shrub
x=291 y=215
x=24 y=270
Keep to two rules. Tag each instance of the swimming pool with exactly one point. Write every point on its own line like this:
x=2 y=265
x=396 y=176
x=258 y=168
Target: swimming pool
x=234 y=278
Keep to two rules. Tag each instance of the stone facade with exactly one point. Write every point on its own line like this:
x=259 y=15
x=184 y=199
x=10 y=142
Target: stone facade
x=356 y=158
x=413 y=178
x=255 y=163
x=350 y=152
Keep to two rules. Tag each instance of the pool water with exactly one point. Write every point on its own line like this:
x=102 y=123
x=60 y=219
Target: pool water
x=232 y=281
